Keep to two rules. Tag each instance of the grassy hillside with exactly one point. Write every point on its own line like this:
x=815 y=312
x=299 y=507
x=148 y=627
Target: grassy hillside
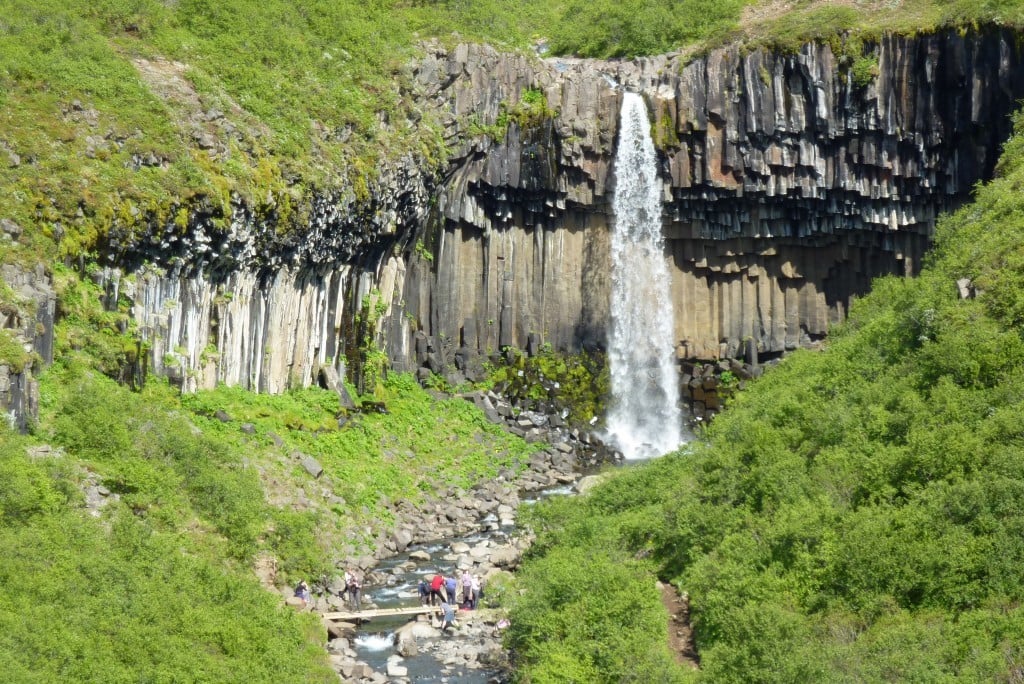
x=858 y=515
x=157 y=582
x=115 y=110
x=782 y=25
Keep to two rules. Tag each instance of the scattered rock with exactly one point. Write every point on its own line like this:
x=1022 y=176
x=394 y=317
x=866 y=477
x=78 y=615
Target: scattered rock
x=311 y=465
x=402 y=538
x=43 y=451
x=396 y=670
x=10 y=228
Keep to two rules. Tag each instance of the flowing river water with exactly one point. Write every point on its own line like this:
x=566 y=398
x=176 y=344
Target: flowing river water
x=453 y=658
x=375 y=642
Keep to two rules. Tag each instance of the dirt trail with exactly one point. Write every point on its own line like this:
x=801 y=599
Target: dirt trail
x=680 y=635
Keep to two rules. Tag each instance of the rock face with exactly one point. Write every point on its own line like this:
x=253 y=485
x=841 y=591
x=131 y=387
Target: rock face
x=29 y=321
x=789 y=184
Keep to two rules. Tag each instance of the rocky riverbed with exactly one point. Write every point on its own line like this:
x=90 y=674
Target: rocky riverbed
x=456 y=530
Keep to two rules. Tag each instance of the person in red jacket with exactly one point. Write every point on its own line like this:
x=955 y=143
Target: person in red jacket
x=436 y=587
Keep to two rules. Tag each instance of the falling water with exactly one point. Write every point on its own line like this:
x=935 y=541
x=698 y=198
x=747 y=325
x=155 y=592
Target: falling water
x=644 y=419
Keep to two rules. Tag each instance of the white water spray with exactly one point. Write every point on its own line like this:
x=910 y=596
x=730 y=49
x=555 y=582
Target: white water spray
x=375 y=642
x=644 y=420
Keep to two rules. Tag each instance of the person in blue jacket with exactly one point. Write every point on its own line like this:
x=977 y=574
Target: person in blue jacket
x=302 y=592
x=451 y=586
x=447 y=616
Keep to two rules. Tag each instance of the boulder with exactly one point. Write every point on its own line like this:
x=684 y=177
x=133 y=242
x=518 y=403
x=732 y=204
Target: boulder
x=405 y=645
x=395 y=669
x=311 y=465
x=588 y=482
x=504 y=557
x=329 y=379
x=402 y=538
x=339 y=630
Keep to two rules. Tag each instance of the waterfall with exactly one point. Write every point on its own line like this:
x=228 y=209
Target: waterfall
x=644 y=419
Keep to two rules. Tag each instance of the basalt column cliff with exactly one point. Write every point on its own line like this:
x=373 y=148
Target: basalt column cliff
x=789 y=181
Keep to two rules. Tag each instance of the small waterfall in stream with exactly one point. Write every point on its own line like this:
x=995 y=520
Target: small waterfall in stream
x=644 y=419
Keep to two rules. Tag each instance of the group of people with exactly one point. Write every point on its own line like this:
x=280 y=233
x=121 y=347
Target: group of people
x=351 y=590
x=463 y=591
x=449 y=593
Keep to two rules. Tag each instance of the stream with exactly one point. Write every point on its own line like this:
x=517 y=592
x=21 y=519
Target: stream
x=472 y=653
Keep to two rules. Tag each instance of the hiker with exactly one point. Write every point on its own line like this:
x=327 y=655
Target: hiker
x=424 y=590
x=302 y=592
x=354 y=585
x=451 y=586
x=436 y=587
x=447 y=616
x=467 y=589
x=477 y=592
x=343 y=593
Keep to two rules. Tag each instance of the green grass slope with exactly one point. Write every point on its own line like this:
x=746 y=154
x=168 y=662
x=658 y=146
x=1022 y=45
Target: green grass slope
x=857 y=515
x=119 y=111
x=152 y=589
x=160 y=583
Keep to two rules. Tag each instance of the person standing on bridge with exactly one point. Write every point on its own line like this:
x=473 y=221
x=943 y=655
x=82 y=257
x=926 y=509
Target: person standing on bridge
x=436 y=587
x=451 y=587
x=354 y=589
x=343 y=594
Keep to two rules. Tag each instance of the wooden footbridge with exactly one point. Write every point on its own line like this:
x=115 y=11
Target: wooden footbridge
x=361 y=615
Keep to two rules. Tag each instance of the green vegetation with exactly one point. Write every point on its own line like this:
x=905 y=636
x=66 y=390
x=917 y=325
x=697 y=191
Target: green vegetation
x=833 y=23
x=112 y=105
x=376 y=456
x=589 y=612
x=157 y=582
x=531 y=109
x=864 y=70
x=578 y=383
x=12 y=352
x=153 y=587
x=120 y=113
x=367 y=361
x=606 y=28
x=856 y=515
x=106 y=339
